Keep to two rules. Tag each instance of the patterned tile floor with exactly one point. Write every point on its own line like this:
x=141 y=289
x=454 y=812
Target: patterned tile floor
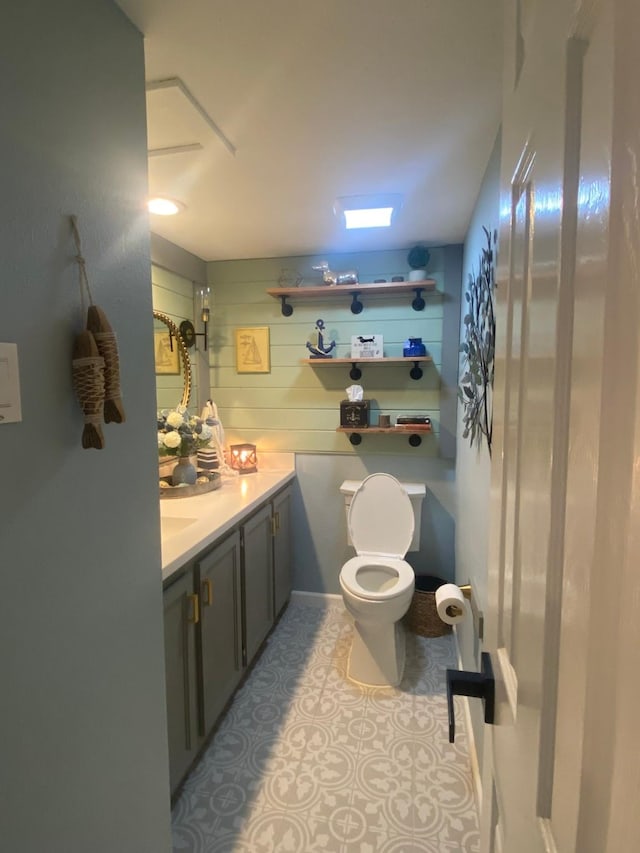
x=307 y=761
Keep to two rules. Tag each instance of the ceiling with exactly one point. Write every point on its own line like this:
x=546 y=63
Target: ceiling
x=285 y=105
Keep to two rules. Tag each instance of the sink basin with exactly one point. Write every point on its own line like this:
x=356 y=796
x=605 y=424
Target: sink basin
x=172 y=524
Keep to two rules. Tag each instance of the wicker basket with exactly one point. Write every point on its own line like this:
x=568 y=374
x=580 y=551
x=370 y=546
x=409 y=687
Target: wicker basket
x=422 y=617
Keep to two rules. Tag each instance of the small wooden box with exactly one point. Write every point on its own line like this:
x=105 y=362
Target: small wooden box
x=354 y=415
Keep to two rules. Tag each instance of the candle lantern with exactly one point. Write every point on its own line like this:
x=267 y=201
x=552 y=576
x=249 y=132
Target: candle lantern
x=244 y=458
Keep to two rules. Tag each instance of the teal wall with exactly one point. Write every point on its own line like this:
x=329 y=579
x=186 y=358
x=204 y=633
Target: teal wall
x=473 y=464
x=295 y=407
x=84 y=763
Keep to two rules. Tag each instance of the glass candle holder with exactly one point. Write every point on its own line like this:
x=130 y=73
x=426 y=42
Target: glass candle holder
x=244 y=458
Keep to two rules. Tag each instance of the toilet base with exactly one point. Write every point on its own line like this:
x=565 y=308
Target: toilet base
x=377 y=654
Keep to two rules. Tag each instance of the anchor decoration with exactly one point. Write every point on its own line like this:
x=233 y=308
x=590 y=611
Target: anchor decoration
x=318 y=349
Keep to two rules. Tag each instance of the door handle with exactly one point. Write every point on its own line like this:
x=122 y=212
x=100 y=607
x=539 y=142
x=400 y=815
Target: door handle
x=480 y=685
x=207 y=588
x=194 y=615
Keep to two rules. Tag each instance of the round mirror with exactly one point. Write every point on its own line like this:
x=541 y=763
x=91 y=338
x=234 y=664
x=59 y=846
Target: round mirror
x=175 y=340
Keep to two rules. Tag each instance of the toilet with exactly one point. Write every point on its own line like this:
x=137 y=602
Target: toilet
x=383 y=523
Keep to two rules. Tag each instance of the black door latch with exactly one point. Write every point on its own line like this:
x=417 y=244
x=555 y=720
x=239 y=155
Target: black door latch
x=480 y=685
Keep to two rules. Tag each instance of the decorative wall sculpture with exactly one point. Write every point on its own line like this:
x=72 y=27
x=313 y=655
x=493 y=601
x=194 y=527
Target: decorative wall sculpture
x=478 y=349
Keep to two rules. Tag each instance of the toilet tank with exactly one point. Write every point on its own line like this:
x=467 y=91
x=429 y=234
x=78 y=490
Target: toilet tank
x=416 y=492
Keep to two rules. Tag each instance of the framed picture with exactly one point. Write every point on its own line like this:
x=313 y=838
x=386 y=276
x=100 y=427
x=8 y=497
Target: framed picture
x=167 y=360
x=252 y=350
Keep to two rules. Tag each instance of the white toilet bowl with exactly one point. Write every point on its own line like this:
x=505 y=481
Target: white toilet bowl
x=377 y=585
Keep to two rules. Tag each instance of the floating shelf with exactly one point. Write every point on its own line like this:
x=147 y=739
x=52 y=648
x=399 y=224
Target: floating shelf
x=415 y=435
x=356 y=372
x=337 y=291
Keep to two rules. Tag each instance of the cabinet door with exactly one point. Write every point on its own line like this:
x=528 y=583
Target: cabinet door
x=180 y=617
x=220 y=646
x=257 y=579
x=282 y=549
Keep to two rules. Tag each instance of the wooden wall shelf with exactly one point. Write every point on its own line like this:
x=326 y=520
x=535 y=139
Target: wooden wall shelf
x=356 y=372
x=414 y=434
x=354 y=291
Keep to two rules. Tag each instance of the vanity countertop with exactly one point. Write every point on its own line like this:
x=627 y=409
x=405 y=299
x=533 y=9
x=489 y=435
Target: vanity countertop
x=188 y=525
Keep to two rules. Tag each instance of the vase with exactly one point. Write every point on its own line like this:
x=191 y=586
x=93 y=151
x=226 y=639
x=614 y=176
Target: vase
x=184 y=473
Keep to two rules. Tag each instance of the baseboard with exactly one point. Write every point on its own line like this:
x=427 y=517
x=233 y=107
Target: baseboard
x=476 y=775
x=318 y=599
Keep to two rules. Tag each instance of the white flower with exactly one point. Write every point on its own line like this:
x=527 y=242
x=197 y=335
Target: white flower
x=206 y=433
x=172 y=439
x=160 y=439
x=175 y=420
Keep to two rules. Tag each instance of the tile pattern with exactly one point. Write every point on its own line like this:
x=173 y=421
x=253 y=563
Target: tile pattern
x=307 y=761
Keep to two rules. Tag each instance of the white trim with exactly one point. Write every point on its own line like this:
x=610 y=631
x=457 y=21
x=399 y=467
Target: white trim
x=175 y=149
x=318 y=599
x=547 y=835
x=476 y=775
x=176 y=83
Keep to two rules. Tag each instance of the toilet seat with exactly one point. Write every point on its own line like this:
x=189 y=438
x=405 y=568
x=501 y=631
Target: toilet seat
x=381 y=519
x=399 y=570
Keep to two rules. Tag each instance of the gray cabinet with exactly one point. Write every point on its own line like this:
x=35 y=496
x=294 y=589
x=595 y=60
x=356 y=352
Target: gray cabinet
x=281 y=505
x=180 y=619
x=220 y=629
x=257 y=579
x=217 y=612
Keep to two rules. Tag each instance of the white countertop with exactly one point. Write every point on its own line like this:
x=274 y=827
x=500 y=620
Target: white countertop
x=188 y=525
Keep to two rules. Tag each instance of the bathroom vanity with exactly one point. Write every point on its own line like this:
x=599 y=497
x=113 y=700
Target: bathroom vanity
x=226 y=566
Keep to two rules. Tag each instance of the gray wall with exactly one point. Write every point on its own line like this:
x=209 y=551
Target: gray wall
x=473 y=464
x=83 y=762
x=320 y=526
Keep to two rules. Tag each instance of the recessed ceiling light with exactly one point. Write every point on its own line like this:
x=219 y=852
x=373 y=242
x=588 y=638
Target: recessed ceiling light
x=163 y=206
x=367 y=211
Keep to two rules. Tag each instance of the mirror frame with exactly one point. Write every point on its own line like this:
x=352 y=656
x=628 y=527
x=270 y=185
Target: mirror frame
x=182 y=351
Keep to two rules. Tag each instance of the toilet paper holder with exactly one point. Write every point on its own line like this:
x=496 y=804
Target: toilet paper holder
x=452 y=609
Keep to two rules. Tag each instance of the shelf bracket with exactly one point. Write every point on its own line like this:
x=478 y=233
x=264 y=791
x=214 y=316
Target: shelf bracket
x=356 y=305
x=415 y=440
x=355 y=372
x=418 y=303
x=416 y=371
x=286 y=309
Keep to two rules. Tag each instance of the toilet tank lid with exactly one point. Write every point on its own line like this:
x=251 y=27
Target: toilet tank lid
x=349 y=487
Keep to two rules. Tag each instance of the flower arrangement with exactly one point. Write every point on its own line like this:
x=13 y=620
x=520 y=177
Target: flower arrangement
x=181 y=434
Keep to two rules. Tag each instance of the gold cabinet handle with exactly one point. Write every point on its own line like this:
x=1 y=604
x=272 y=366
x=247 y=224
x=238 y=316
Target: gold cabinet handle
x=278 y=520
x=207 y=586
x=273 y=525
x=194 y=614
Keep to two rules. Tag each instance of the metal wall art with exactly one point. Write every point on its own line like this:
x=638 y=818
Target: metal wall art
x=478 y=349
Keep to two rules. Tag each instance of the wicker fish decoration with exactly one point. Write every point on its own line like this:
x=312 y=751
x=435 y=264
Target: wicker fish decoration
x=88 y=383
x=105 y=339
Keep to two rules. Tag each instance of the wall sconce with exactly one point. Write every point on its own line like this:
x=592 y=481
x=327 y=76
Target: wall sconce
x=244 y=458
x=204 y=313
x=187 y=331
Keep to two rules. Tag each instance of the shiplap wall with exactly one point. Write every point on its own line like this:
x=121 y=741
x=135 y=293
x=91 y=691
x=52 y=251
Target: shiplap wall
x=295 y=407
x=173 y=295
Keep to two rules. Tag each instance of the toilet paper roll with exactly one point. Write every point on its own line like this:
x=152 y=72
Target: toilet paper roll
x=450 y=603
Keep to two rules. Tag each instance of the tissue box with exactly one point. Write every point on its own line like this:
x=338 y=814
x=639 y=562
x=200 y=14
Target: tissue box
x=354 y=414
x=366 y=346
